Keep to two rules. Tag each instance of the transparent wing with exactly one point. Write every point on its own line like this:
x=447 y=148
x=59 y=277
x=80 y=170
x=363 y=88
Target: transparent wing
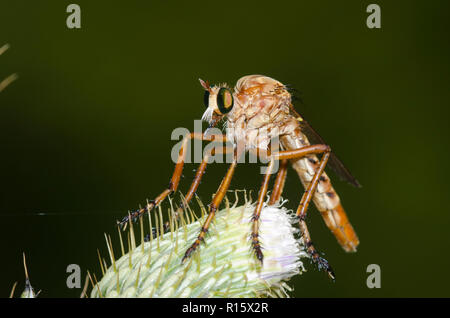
x=334 y=163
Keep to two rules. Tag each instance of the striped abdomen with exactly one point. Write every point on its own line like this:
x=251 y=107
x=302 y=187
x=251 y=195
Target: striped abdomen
x=325 y=198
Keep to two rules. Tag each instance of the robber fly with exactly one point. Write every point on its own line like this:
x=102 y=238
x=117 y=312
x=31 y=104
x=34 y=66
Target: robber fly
x=261 y=103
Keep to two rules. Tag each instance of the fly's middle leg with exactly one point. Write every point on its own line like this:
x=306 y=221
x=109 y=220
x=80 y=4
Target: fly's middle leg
x=257 y=213
x=279 y=183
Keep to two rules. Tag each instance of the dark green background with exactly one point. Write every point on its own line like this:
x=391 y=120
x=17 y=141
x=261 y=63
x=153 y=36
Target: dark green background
x=85 y=130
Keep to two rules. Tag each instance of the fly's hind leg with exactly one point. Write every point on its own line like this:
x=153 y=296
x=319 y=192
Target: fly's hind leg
x=301 y=213
x=307 y=197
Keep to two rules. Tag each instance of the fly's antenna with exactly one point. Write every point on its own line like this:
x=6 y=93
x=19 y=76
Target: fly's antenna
x=205 y=85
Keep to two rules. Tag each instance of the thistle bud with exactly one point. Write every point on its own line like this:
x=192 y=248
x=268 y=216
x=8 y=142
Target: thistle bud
x=224 y=265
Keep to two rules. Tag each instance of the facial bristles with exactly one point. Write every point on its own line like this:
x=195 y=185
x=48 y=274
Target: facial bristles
x=207 y=115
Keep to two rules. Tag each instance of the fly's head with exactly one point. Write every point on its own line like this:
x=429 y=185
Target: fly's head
x=219 y=102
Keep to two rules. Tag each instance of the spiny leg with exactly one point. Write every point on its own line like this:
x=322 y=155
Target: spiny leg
x=256 y=214
x=198 y=176
x=193 y=188
x=175 y=180
x=301 y=213
x=278 y=189
x=196 y=182
x=308 y=195
x=218 y=197
x=279 y=183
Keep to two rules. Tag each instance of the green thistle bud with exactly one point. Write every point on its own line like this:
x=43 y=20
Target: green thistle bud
x=223 y=266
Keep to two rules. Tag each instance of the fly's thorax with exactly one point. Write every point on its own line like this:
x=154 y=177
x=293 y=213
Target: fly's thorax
x=261 y=112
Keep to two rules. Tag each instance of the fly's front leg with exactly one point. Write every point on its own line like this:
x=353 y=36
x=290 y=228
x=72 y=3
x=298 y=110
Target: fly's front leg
x=196 y=182
x=198 y=176
x=194 y=185
x=193 y=188
x=308 y=195
x=218 y=197
x=175 y=180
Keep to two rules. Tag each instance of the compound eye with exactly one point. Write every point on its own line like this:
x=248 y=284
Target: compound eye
x=206 y=99
x=225 y=100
